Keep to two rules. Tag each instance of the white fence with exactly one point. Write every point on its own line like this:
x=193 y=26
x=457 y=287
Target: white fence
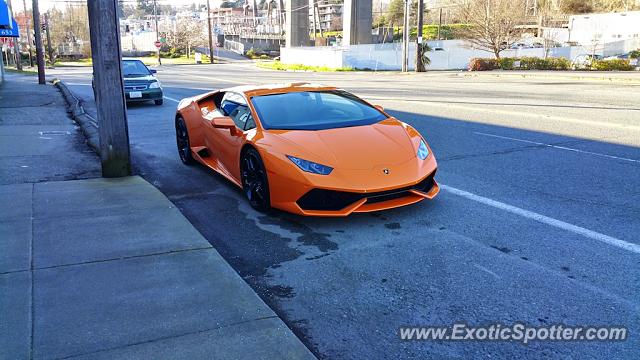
x=451 y=54
x=235 y=46
x=140 y=42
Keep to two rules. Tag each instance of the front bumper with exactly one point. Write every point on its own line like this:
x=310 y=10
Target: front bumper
x=147 y=95
x=345 y=192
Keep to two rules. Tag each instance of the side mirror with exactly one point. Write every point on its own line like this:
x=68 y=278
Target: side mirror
x=153 y=71
x=224 y=122
x=380 y=108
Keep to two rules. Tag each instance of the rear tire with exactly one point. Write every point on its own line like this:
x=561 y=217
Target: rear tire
x=255 y=184
x=159 y=101
x=184 y=145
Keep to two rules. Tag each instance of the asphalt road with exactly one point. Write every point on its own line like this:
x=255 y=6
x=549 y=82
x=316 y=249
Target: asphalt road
x=537 y=222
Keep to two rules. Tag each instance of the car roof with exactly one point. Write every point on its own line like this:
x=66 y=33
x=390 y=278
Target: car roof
x=268 y=89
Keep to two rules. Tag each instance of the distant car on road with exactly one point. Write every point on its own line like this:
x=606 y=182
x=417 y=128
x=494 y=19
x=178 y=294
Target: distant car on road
x=584 y=61
x=306 y=149
x=140 y=83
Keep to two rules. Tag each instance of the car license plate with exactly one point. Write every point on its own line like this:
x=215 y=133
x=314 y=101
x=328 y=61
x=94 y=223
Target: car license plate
x=135 y=94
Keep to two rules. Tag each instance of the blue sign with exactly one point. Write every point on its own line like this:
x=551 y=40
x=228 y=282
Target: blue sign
x=5 y=16
x=13 y=32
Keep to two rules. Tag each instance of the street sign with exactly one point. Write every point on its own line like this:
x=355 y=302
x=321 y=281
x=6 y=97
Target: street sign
x=158 y=44
x=13 y=32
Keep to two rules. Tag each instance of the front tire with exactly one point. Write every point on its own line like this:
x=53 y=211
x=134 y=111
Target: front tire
x=182 y=140
x=159 y=101
x=255 y=184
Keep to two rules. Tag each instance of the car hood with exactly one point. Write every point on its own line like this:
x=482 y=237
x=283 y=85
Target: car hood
x=359 y=147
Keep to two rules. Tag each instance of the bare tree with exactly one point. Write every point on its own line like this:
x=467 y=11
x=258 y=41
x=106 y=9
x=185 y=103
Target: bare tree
x=188 y=34
x=492 y=23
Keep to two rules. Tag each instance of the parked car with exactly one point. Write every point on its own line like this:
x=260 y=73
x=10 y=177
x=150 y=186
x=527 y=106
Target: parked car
x=627 y=56
x=584 y=61
x=306 y=149
x=140 y=82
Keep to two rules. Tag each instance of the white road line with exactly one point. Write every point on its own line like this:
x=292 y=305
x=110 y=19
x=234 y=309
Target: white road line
x=171 y=99
x=635 y=248
x=557 y=147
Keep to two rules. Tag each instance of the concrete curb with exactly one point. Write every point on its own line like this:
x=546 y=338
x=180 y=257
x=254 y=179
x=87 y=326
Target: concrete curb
x=555 y=76
x=87 y=123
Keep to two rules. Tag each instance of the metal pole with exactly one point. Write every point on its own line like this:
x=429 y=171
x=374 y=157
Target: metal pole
x=419 y=54
x=16 y=45
x=155 y=15
x=49 y=49
x=38 y=38
x=29 y=43
x=209 y=29
x=405 y=37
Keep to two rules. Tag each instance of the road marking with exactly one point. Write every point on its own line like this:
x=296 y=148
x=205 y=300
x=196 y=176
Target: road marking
x=557 y=147
x=171 y=99
x=635 y=248
x=486 y=270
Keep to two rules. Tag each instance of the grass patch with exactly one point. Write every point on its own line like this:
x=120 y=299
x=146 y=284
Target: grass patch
x=24 y=72
x=153 y=60
x=277 y=65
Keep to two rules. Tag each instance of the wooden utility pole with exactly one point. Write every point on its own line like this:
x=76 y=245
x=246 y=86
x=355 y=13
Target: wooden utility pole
x=405 y=36
x=48 y=29
x=209 y=29
x=108 y=88
x=439 y=23
x=37 y=28
x=30 y=44
x=419 y=54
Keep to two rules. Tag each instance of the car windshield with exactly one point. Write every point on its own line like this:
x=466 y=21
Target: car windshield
x=314 y=110
x=133 y=68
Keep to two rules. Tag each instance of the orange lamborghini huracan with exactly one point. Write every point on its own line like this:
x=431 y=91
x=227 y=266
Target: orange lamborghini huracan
x=306 y=149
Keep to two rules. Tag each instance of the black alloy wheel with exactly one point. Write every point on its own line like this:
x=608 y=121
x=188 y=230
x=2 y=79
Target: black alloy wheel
x=182 y=140
x=254 y=181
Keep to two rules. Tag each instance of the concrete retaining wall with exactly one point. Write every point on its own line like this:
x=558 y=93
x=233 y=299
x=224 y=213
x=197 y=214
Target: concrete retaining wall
x=451 y=54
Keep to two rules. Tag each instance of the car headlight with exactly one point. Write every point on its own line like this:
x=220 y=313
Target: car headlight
x=154 y=85
x=423 y=150
x=310 y=166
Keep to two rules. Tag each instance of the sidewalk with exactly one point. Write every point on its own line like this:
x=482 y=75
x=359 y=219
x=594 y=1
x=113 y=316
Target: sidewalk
x=108 y=268
x=625 y=77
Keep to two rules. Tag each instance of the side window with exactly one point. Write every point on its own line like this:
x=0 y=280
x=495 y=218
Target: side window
x=235 y=106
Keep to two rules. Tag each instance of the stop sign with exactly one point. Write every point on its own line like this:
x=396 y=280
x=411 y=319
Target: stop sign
x=158 y=44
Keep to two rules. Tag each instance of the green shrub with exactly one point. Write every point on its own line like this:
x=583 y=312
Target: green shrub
x=524 y=63
x=251 y=54
x=264 y=57
x=506 y=63
x=611 y=65
x=635 y=54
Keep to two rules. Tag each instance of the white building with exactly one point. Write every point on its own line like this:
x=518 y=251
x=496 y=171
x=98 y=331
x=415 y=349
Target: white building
x=593 y=29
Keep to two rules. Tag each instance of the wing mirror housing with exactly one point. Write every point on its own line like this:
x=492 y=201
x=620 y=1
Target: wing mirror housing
x=224 y=122
x=379 y=107
x=153 y=71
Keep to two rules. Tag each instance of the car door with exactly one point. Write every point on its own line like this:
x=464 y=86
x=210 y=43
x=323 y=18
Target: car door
x=225 y=145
